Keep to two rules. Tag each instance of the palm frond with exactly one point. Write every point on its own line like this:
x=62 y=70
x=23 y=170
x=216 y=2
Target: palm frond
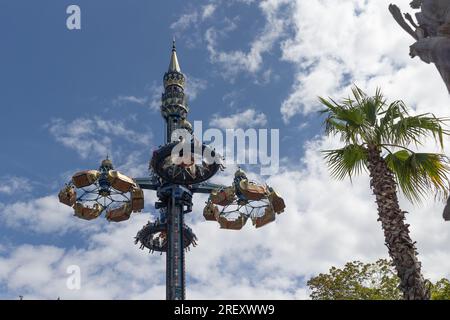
x=348 y=161
x=345 y=120
x=418 y=174
x=371 y=105
x=393 y=112
x=398 y=127
x=355 y=118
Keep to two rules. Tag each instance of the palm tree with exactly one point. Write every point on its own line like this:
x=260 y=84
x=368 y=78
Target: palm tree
x=377 y=137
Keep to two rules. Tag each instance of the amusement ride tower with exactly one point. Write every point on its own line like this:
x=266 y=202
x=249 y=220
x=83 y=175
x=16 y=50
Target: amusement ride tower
x=178 y=169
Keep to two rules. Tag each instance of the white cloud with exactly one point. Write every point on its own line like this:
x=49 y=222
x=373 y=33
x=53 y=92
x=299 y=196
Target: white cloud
x=30 y=266
x=193 y=17
x=194 y=86
x=208 y=10
x=332 y=45
x=185 y=21
x=234 y=62
x=154 y=100
x=11 y=184
x=338 y=43
x=41 y=215
x=130 y=99
x=111 y=268
x=94 y=137
x=244 y=119
x=135 y=164
x=266 y=76
x=247 y=2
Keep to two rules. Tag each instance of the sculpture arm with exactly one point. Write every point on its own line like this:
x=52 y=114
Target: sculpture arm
x=397 y=14
x=410 y=20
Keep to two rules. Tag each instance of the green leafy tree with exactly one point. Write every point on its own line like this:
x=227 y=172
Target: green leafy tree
x=370 y=281
x=441 y=290
x=357 y=281
x=377 y=137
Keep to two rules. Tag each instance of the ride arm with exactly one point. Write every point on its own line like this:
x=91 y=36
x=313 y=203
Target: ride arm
x=147 y=183
x=206 y=187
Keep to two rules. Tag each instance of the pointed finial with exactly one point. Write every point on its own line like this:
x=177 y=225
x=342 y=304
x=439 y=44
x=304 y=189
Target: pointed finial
x=174 y=65
x=107 y=163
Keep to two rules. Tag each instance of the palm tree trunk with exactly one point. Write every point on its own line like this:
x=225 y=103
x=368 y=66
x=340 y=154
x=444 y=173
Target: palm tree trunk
x=401 y=248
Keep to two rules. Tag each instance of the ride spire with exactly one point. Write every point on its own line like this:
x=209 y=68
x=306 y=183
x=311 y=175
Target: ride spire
x=174 y=66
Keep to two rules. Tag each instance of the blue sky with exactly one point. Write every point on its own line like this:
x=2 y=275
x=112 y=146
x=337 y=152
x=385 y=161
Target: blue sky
x=69 y=97
x=122 y=50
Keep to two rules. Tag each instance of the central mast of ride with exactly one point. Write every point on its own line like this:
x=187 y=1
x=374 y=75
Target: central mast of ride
x=174 y=111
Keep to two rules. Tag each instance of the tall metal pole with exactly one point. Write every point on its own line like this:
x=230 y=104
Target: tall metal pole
x=175 y=263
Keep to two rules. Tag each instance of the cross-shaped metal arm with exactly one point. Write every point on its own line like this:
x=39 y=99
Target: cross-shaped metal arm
x=150 y=183
x=206 y=187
